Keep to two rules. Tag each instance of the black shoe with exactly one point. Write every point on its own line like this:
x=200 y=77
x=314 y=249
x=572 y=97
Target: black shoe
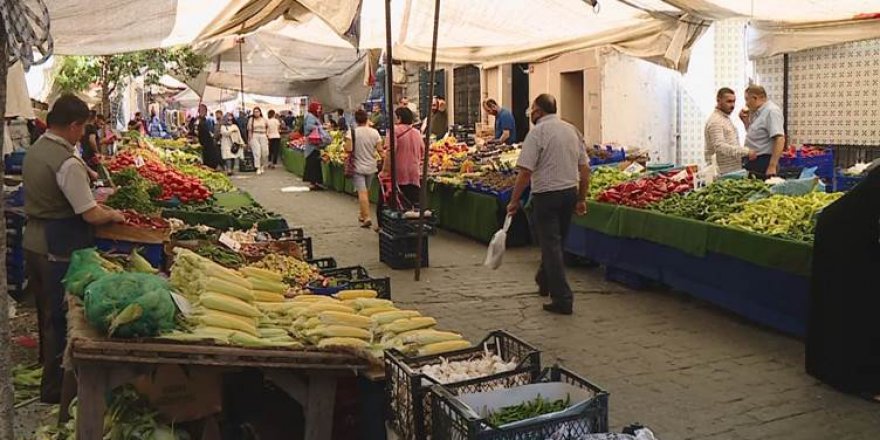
x=558 y=309
x=542 y=288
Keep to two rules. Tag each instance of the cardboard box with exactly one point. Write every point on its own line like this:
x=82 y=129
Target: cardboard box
x=182 y=394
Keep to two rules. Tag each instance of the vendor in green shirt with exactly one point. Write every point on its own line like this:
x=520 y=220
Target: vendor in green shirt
x=62 y=213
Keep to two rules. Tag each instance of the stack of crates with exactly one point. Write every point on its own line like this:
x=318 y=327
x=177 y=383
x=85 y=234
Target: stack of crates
x=398 y=240
x=16 y=277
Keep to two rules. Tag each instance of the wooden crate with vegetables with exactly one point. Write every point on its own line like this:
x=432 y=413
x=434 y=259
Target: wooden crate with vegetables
x=500 y=361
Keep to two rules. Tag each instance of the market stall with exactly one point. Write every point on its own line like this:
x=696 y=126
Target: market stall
x=741 y=244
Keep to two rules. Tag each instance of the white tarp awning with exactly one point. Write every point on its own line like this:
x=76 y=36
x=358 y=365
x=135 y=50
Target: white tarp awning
x=18 y=101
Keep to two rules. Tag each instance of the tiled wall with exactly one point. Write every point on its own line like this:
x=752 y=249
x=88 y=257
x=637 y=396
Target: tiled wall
x=834 y=93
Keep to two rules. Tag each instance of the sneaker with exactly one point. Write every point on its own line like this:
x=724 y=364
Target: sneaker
x=366 y=223
x=558 y=309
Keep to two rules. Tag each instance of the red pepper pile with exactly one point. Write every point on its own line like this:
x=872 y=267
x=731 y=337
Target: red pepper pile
x=806 y=151
x=138 y=220
x=646 y=191
x=173 y=183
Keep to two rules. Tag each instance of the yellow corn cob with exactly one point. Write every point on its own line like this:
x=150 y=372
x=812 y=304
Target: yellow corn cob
x=277 y=307
x=272 y=332
x=308 y=298
x=268 y=286
x=235 y=290
x=342 y=342
x=228 y=304
x=405 y=325
x=426 y=337
x=312 y=322
x=329 y=331
x=264 y=296
x=443 y=347
x=353 y=294
x=256 y=272
x=388 y=317
x=370 y=311
x=315 y=309
x=342 y=318
x=246 y=320
x=217 y=320
x=364 y=303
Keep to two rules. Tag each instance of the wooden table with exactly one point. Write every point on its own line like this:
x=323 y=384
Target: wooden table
x=102 y=364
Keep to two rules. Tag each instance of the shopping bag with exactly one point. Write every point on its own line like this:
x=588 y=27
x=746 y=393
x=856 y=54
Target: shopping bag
x=496 y=247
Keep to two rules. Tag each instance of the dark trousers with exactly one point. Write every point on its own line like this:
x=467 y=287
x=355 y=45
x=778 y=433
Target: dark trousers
x=274 y=150
x=758 y=167
x=44 y=280
x=552 y=213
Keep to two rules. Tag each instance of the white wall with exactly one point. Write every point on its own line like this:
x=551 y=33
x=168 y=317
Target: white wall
x=639 y=105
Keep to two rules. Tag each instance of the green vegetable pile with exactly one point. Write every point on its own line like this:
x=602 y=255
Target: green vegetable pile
x=26 y=381
x=86 y=266
x=527 y=410
x=603 y=178
x=196 y=233
x=215 y=181
x=128 y=416
x=720 y=199
x=221 y=255
x=133 y=192
x=129 y=305
x=789 y=217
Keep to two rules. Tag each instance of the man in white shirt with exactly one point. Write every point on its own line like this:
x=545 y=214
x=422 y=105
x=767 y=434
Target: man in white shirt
x=722 y=140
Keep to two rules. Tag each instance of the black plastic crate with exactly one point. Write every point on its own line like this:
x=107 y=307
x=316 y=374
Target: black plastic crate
x=305 y=248
x=453 y=420
x=382 y=286
x=407 y=389
x=347 y=273
x=400 y=252
x=395 y=224
x=323 y=264
x=287 y=233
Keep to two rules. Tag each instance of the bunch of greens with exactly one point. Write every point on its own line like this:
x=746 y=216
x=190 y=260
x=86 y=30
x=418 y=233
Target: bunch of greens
x=789 y=217
x=133 y=192
x=527 y=410
x=719 y=199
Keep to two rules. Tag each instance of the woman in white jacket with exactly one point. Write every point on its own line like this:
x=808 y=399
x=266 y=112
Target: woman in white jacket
x=231 y=143
x=258 y=129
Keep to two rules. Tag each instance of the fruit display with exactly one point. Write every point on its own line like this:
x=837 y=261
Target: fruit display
x=647 y=190
x=789 y=217
x=335 y=152
x=448 y=154
x=805 y=151
x=717 y=200
x=295 y=272
x=603 y=178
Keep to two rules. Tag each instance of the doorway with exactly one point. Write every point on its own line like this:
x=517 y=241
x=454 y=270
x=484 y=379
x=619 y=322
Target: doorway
x=571 y=100
x=520 y=99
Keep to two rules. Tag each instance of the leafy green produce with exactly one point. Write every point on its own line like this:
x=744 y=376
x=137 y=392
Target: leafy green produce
x=717 y=200
x=130 y=305
x=196 y=233
x=789 y=217
x=215 y=181
x=603 y=178
x=133 y=197
x=26 y=381
x=221 y=255
x=527 y=410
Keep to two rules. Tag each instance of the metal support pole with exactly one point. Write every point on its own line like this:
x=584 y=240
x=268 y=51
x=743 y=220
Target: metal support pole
x=785 y=101
x=241 y=71
x=423 y=192
x=389 y=105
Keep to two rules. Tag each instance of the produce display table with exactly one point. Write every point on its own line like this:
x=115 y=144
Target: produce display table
x=475 y=215
x=294 y=161
x=102 y=364
x=763 y=278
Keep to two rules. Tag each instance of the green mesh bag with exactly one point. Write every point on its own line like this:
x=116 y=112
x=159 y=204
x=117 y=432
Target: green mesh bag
x=130 y=305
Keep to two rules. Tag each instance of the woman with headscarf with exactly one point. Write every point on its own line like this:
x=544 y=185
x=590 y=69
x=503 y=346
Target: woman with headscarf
x=317 y=139
x=409 y=151
x=258 y=129
x=231 y=143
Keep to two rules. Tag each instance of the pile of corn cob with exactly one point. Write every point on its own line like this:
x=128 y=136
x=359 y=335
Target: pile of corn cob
x=227 y=304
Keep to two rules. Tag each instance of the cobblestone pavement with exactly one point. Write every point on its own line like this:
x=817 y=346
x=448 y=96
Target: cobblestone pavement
x=680 y=366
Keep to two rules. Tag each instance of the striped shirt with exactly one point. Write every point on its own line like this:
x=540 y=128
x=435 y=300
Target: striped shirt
x=553 y=151
x=722 y=141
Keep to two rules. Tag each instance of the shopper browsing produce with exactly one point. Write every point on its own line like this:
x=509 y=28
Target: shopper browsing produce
x=203 y=130
x=505 y=125
x=231 y=143
x=61 y=216
x=362 y=144
x=408 y=154
x=439 y=118
x=722 y=139
x=377 y=118
x=317 y=139
x=554 y=160
x=274 y=134
x=258 y=129
x=766 y=133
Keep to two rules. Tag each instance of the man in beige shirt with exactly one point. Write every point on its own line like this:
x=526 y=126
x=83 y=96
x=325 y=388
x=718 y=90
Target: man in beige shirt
x=722 y=140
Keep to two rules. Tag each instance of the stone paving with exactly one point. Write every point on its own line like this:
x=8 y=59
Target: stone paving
x=683 y=367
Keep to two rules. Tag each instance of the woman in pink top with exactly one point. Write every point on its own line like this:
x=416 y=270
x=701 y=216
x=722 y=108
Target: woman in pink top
x=408 y=153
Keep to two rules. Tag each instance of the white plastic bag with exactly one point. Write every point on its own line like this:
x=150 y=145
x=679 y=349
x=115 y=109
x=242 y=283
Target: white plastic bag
x=497 y=246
